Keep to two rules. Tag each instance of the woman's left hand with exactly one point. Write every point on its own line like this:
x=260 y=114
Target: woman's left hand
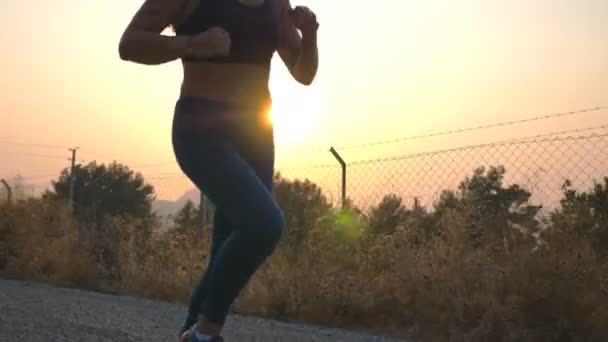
x=304 y=19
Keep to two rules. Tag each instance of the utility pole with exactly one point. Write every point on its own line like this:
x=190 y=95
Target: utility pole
x=72 y=178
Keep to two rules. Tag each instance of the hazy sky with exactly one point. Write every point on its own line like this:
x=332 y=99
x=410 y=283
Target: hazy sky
x=389 y=68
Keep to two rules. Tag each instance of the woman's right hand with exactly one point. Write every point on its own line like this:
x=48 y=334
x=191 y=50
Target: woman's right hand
x=215 y=42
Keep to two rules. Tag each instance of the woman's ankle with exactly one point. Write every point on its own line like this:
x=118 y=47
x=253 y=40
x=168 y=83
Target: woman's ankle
x=205 y=327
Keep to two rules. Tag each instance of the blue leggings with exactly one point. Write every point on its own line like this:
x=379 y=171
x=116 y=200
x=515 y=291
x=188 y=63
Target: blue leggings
x=228 y=153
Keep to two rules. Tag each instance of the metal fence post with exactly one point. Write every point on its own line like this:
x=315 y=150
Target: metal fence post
x=9 y=191
x=343 y=165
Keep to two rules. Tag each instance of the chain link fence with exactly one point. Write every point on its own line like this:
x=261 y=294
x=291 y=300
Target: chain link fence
x=539 y=164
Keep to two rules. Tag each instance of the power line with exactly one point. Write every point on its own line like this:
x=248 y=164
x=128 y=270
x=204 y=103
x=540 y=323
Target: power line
x=31 y=186
x=594 y=128
x=19 y=143
x=507 y=123
x=51 y=146
x=166 y=177
x=515 y=141
x=39 y=176
x=518 y=140
x=309 y=167
x=163 y=174
x=37 y=155
x=141 y=166
x=100 y=156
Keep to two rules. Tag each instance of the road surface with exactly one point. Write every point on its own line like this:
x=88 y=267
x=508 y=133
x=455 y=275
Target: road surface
x=38 y=312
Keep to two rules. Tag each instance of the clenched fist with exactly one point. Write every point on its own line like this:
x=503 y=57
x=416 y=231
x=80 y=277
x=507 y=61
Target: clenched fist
x=304 y=19
x=214 y=42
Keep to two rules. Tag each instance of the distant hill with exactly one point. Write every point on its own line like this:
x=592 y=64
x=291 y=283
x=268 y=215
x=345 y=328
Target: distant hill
x=165 y=208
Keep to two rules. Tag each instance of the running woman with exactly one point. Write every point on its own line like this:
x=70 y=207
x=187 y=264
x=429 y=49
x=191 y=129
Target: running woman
x=221 y=135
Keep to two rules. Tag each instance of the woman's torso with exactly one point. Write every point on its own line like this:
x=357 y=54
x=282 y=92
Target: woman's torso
x=241 y=77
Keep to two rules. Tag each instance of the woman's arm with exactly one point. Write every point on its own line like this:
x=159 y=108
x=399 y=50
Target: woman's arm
x=142 y=41
x=300 y=53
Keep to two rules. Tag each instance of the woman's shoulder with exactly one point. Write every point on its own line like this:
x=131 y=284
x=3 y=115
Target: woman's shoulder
x=186 y=9
x=284 y=5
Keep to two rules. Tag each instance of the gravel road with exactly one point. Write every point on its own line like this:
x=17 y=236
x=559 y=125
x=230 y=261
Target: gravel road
x=38 y=312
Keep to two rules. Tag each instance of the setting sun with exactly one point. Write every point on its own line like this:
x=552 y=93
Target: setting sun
x=292 y=121
x=295 y=110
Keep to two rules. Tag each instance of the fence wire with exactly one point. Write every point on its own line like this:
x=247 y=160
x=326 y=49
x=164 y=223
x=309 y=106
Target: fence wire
x=539 y=164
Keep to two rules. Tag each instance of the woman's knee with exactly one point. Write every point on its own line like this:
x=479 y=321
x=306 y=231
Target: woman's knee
x=268 y=229
x=277 y=226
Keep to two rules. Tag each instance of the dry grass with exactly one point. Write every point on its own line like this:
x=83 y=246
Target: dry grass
x=443 y=289
x=40 y=243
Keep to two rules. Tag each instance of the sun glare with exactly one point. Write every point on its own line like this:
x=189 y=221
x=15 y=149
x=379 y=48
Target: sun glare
x=294 y=113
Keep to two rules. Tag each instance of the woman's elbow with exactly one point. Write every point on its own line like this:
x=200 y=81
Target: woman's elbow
x=304 y=74
x=304 y=78
x=125 y=49
x=123 y=52
x=306 y=81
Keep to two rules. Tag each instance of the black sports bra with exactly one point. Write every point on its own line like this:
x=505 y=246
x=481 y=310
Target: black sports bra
x=253 y=30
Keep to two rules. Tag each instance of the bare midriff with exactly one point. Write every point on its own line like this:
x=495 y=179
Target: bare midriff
x=233 y=83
